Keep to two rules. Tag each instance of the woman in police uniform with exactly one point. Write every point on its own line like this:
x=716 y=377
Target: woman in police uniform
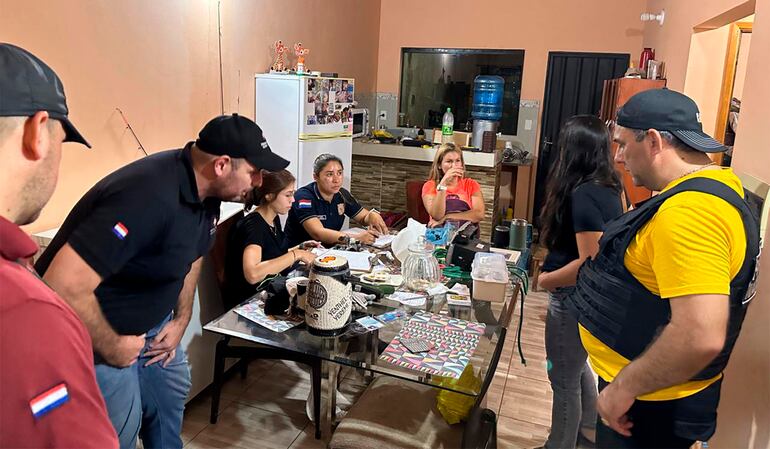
x=320 y=208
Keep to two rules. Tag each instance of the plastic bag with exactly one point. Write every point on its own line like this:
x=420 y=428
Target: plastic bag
x=405 y=237
x=455 y=407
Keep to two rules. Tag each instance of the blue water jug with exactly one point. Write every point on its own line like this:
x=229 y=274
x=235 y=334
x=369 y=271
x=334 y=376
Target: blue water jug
x=488 y=97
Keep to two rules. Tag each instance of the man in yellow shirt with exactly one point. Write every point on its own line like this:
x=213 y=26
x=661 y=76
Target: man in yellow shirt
x=661 y=305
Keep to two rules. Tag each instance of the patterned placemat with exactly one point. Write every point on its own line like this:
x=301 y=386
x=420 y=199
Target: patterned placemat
x=454 y=341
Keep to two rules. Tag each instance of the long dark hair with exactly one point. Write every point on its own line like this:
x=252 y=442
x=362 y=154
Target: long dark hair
x=272 y=183
x=584 y=156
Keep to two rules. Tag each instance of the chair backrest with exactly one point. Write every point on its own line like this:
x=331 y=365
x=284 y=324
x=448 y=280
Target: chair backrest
x=414 y=206
x=218 y=252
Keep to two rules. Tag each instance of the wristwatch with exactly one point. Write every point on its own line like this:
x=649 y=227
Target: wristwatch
x=441 y=187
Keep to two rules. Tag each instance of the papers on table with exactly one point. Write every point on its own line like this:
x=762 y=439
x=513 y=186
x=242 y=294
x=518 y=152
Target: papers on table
x=254 y=310
x=383 y=241
x=408 y=298
x=357 y=261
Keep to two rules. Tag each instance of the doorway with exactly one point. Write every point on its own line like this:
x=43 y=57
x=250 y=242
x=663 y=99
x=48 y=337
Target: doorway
x=573 y=85
x=731 y=93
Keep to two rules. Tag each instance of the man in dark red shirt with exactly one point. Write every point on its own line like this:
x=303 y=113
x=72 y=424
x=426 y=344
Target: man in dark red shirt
x=47 y=384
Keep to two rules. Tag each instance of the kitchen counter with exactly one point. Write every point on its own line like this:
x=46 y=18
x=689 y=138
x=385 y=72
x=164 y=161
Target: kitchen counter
x=380 y=174
x=391 y=151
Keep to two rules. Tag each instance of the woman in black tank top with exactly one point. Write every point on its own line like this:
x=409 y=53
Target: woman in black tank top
x=256 y=245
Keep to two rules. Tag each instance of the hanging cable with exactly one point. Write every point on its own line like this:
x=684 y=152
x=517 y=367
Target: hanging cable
x=523 y=278
x=221 y=76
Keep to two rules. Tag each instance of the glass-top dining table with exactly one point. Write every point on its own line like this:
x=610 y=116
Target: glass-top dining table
x=360 y=348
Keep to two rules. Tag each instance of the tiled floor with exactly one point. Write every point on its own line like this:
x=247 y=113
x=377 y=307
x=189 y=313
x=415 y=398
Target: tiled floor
x=267 y=409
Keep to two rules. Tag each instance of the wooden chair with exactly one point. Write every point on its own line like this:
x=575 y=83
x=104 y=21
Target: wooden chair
x=226 y=348
x=414 y=206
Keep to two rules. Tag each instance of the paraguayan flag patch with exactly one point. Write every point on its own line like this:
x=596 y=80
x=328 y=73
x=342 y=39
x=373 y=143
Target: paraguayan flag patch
x=305 y=204
x=120 y=230
x=49 y=400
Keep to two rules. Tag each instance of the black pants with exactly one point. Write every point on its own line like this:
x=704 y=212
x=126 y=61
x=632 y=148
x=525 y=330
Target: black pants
x=665 y=424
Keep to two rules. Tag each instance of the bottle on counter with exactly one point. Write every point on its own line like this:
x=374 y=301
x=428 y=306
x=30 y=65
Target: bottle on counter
x=447 y=126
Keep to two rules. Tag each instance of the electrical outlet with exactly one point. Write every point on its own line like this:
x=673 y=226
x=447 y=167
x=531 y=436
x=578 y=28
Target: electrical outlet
x=383 y=115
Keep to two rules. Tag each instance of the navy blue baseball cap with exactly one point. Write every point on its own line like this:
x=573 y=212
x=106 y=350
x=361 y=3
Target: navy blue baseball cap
x=239 y=137
x=668 y=110
x=28 y=86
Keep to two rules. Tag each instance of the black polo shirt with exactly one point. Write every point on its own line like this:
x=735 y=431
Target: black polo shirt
x=308 y=203
x=140 y=228
x=250 y=230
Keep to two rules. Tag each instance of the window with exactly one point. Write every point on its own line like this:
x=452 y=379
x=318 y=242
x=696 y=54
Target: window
x=433 y=79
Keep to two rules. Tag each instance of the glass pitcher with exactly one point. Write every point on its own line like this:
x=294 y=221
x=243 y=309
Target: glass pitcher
x=420 y=269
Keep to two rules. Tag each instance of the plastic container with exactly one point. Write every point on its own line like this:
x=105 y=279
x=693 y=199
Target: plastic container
x=490 y=277
x=447 y=126
x=488 y=97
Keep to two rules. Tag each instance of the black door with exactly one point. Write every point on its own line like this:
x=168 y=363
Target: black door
x=573 y=85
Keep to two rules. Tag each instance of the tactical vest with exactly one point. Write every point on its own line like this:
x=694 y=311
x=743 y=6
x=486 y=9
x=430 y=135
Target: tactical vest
x=618 y=310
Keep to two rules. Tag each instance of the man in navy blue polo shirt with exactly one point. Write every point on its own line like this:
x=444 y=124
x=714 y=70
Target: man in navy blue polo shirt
x=127 y=259
x=319 y=210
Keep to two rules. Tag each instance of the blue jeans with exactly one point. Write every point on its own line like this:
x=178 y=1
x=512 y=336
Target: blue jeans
x=573 y=385
x=148 y=398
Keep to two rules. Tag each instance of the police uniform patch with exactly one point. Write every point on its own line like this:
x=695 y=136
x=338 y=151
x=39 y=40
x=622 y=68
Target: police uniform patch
x=341 y=208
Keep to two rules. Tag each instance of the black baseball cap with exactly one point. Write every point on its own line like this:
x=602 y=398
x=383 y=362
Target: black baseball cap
x=28 y=86
x=668 y=110
x=239 y=137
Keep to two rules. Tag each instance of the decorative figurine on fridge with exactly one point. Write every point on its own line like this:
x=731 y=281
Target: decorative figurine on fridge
x=280 y=63
x=300 y=51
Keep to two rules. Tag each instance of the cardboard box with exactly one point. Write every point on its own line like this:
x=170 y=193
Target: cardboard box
x=460 y=138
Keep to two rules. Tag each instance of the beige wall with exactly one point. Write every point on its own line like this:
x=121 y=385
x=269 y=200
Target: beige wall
x=157 y=60
x=672 y=40
x=537 y=27
x=744 y=413
x=708 y=49
x=740 y=66
x=704 y=73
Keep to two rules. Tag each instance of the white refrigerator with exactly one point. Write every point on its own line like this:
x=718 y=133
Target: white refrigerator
x=303 y=117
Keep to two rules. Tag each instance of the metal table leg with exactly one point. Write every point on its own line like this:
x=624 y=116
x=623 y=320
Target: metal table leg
x=329 y=374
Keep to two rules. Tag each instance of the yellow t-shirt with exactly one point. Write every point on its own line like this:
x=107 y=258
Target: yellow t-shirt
x=694 y=244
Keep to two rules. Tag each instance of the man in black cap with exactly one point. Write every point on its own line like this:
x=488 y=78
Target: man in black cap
x=49 y=393
x=127 y=259
x=662 y=303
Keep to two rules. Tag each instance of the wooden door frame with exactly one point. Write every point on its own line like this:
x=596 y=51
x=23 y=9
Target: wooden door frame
x=728 y=80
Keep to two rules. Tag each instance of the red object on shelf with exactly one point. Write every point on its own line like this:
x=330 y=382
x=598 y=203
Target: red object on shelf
x=647 y=54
